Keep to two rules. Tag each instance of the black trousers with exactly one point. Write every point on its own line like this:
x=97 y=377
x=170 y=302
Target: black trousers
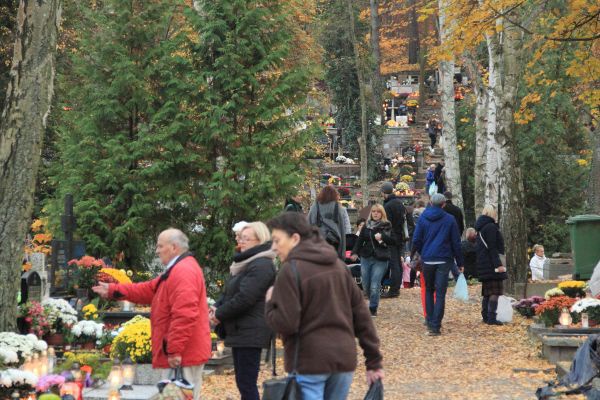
x=395 y=268
x=433 y=139
x=246 y=362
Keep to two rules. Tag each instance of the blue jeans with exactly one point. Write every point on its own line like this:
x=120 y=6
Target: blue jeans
x=436 y=280
x=325 y=386
x=372 y=271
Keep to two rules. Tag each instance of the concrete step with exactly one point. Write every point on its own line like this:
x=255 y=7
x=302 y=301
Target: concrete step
x=563 y=368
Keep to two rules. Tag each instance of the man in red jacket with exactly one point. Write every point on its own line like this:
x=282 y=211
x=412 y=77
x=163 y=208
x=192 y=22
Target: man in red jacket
x=179 y=318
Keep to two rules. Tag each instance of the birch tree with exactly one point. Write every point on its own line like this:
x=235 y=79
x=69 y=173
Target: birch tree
x=22 y=124
x=481 y=110
x=448 y=138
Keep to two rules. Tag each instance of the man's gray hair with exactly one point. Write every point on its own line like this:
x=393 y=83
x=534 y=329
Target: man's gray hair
x=177 y=237
x=438 y=199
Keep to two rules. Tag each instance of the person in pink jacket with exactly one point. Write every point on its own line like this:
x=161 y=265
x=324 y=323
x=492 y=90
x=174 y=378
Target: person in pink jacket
x=179 y=317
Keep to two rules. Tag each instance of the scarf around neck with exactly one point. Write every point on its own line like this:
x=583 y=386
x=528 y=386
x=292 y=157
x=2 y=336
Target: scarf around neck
x=372 y=224
x=238 y=267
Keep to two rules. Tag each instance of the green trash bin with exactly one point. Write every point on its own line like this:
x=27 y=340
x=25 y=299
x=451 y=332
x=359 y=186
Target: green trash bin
x=585 y=244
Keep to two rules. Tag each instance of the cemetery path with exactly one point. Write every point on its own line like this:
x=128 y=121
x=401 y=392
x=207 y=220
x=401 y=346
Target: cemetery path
x=469 y=360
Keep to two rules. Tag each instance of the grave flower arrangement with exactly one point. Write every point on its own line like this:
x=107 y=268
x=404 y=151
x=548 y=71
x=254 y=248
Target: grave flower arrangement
x=60 y=314
x=406 y=178
x=48 y=382
x=21 y=346
x=36 y=317
x=573 y=288
x=554 y=292
x=550 y=310
x=133 y=341
x=86 y=270
x=87 y=331
x=113 y=275
x=590 y=306
x=14 y=379
x=90 y=312
x=526 y=307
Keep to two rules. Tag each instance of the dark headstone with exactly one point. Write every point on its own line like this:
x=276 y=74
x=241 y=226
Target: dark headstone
x=60 y=273
x=31 y=287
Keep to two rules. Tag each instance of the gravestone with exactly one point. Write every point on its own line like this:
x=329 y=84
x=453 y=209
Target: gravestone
x=38 y=264
x=64 y=250
x=31 y=287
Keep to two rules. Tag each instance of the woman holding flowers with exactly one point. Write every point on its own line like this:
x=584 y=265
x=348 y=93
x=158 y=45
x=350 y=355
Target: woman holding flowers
x=490 y=269
x=241 y=309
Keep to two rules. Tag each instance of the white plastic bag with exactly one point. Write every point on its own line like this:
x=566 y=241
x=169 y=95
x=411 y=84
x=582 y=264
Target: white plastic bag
x=460 y=290
x=504 y=313
x=433 y=189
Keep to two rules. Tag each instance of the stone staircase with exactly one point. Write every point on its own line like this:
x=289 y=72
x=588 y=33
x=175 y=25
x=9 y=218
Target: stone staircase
x=419 y=136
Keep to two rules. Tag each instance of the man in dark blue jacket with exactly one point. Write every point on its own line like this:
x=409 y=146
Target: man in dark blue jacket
x=438 y=242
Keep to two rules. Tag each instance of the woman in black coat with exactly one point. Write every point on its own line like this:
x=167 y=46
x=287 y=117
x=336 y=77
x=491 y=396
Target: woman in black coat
x=372 y=246
x=490 y=271
x=241 y=309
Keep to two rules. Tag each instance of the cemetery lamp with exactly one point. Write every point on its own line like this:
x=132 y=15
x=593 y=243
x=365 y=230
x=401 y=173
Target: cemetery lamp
x=115 y=377
x=31 y=396
x=15 y=395
x=565 y=318
x=585 y=321
x=128 y=368
x=51 y=359
x=220 y=347
x=114 y=395
x=76 y=372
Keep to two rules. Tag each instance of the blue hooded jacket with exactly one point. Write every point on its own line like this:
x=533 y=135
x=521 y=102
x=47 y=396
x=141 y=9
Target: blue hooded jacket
x=436 y=237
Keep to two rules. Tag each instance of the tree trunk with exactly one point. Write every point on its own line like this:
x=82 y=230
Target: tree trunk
x=594 y=182
x=492 y=170
x=481 y=110
x=448 y=138
x=376 y=51
x=512 y=221
x=362 y=142
x=22 y=125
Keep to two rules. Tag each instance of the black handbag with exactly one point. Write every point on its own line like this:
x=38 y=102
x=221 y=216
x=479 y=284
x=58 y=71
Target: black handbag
x=375 y=391
x=286 y=388
x=381 y=252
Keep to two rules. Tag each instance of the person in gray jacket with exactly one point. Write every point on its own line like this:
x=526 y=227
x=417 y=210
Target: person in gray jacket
x=331 y=218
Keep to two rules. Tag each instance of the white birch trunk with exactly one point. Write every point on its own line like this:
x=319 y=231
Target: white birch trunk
x=512 y=223
x=448 y=138
x=492 y=167
x=481 y=111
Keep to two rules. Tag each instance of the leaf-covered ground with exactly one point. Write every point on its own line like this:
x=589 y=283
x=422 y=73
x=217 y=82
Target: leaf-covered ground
x=470 y=360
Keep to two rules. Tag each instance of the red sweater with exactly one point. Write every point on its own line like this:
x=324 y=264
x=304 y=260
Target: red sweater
x=179 y=317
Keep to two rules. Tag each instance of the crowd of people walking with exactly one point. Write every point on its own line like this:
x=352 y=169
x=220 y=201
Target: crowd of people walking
x=288 y=278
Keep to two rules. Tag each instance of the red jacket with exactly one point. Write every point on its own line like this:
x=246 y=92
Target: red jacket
x=179 y=317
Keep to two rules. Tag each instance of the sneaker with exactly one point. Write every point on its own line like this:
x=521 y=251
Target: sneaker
x=373 y=312
x=434 y=332
x=495 y=322
x=390 y=294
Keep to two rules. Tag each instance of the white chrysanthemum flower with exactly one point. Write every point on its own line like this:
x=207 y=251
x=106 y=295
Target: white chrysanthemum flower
x=5 y=379
x=8 y=356
x=583 y=304
x=41 y=345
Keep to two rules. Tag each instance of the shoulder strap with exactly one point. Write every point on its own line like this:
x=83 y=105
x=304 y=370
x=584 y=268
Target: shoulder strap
x=336 y=212
x=483 y=241
x=319 y=218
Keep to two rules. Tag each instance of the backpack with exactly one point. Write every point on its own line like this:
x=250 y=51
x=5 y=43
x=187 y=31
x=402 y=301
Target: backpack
x=329 y=227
